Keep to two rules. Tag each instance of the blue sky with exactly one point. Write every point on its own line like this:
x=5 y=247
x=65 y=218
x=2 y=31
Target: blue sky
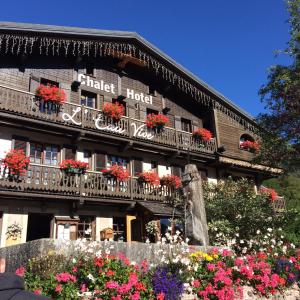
x=228 y=44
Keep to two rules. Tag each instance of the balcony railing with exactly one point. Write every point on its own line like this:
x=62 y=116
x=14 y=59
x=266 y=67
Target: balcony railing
x=73 y=115
x=51 y=180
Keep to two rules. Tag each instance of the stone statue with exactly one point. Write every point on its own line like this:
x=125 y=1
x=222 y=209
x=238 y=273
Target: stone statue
x=196 y=224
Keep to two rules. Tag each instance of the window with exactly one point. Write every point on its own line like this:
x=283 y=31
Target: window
x=116 y=160
x=186 y=125
x=20 y=144
x=88 y=99
x=100 y=162
x=43 y=154
x=121 y=102
x=90 y=70
x=151 y=111
x=119 y=226
x=246 y=137
x=152 y=91
x=70 y=152
x=137 y=166
x=87 y=157
x=49 y=82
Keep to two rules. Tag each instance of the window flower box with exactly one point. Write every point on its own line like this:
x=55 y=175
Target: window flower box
x=157 y=122
x=202 y=134
x=51 y=97
x=16 y=162
x=116 y=172
x=72 y=167
x=251 y=146
x=149 y=177
x=115 y=111
x=171 y=181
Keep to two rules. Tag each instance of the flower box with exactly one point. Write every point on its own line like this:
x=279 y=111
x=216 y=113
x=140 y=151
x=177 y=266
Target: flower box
x=171 y=181
x=115 y=111
x=72 y=167
x=157 y=121
x=149 y=177
x=50 y=93
x=202 y=134
x=116 y=172
x=16 y=162
x=251 y=146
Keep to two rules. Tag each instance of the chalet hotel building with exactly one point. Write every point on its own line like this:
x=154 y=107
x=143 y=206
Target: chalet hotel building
x=93 y=68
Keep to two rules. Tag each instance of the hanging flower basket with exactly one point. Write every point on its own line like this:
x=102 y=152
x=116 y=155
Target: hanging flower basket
x=115 y=111
x=271 y=193
x=16 y=162
x=116 y=172
x=51 y=97
x=171 y=181
x=202 y=134
x=157 y=122
x=149 y=177
x=72 y=167
x=250 y=146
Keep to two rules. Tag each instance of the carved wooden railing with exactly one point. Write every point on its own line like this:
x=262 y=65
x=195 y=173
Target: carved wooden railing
x=51 y=180
x=25 y=104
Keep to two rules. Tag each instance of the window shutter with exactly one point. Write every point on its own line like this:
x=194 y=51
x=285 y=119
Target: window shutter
x=176 y=170
x=66 y=87
x=137 y=166
x=70 y=152
x=34 y=83
x=100 y=161
x=203 y=174
x=177 y=122
x=20 y=144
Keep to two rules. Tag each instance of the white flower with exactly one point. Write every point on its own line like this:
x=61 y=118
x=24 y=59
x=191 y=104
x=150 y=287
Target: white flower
x=74 y=261
x=147 y=241
x=241 y=241
x=269 y=229
x=293 y=246
x=258 y=231
x=91 y=277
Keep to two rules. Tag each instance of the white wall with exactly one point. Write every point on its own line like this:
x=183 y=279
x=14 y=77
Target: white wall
x=5 y=146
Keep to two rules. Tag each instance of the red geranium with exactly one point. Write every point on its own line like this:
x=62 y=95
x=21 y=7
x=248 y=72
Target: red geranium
x=250 y=146
x=71 y=165
x=114 y=110
x=51 y=93
x=171 y=181
x=118 y=172
x=156 y=120
x=272 y=194
x=202 y=134
x=149 y=177
x=16 y=161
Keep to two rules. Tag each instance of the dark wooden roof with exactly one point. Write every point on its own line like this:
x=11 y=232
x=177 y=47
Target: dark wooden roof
x=159 y=209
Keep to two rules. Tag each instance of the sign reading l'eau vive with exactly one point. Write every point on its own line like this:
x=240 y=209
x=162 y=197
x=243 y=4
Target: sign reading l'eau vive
x=110 y=88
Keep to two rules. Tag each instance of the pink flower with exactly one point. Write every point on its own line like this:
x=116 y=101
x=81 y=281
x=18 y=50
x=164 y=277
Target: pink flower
x=111 y=285
x=38 y=291
x=135 y=296
x=210 y=267
x=118 y=297
x=196 y=283
x=65 y=277
x=20 y=271
x=160 y=296
x=58 y=288
x=83 y=288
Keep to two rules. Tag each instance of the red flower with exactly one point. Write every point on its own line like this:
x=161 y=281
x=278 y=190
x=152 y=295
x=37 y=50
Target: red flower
x=58 y=288
x=272 y=194
x=114 y=110
x=150 y=177
x=51 y=93
x=250 y=146
x=20 y=271
x=118 y=172
x=65 y=277
x=71 y=164
x=202 y=134
x=38 y=291
x=171 y=181
x=156 y=120
x=160 y=296
x=110 y=273
x=16 y=162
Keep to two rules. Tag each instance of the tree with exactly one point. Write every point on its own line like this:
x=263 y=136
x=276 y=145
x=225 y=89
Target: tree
x=281 y=95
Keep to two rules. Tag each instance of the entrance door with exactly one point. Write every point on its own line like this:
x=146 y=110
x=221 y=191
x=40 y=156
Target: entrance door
x=39 y=226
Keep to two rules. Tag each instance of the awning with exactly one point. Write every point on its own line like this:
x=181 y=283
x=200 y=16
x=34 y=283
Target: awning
x=160 y=209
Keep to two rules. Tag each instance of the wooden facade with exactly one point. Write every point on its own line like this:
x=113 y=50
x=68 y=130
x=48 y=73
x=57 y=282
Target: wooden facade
x=95 y=67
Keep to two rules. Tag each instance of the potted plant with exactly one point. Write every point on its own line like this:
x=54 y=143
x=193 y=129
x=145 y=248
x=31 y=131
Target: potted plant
x=157 y=122
x=202 y=134
x=51 y=97
x=16 y=162
x=171 y=181
x=115 y=111
x=152 y=230
x=149 y=177
x=251 y=146
x=116 y=172
x=71 y=166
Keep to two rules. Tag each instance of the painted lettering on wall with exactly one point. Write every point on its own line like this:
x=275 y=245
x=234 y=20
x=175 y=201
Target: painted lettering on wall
x=131 y=94
x=139 y=131
x=98 y=85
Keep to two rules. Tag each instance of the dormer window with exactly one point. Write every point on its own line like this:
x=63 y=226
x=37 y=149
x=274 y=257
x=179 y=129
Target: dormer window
x=90 y=70
x=248 y=143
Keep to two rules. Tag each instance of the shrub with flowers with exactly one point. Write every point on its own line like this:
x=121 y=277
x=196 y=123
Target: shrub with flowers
x=271 y=193
x=251 y=146
x=149 y=177
x=156 y=121
x=202 y=134
x=72 y=166
x=171 y=181
x=114 y=111
x=51 y=93
x=16 y=162
x=117 y=172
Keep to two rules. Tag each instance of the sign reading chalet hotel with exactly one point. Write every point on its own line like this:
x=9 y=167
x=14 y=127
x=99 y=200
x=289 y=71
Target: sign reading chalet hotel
x=116 y=102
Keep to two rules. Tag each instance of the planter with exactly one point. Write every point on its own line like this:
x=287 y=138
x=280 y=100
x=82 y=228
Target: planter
x=202 y=135
x=157 y=122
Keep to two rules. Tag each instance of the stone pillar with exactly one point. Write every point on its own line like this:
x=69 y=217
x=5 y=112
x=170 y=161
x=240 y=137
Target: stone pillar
x=196 y=223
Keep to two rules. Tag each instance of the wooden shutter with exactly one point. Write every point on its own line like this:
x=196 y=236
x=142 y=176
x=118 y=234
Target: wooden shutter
x=20 y=144
x=100 y=161
x=70 y=152
x=34 y=83
x=178 y=122
x=176 y=170
x=137 y=166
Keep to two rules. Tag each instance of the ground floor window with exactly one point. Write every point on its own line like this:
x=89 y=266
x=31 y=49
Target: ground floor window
x=39 y=226
x=119 y=227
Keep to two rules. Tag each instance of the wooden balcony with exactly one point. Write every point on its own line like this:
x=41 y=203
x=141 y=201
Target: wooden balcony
x=25 y=104
x=49 y=180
